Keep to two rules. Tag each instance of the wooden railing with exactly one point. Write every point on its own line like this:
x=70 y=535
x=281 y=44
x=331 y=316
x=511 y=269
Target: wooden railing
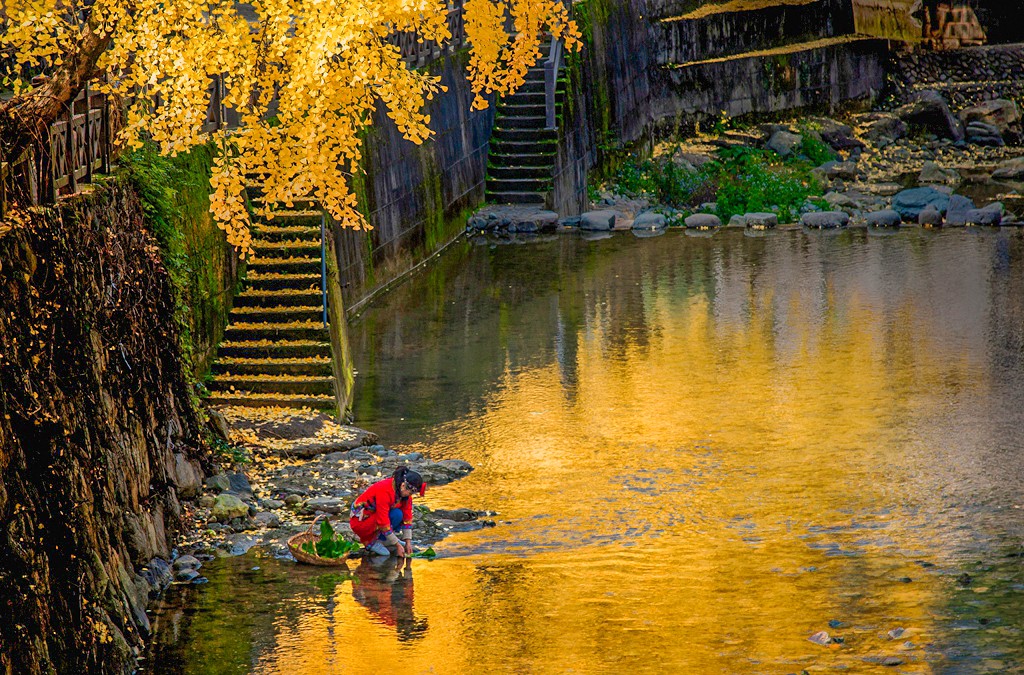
x=418 y=54
x=80 y=143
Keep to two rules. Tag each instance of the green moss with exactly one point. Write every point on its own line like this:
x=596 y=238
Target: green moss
x=175 y=192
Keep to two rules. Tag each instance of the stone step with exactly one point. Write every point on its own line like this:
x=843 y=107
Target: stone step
x=293 y=218
x=525 y=99
x=519 y=172
x=280 y=314
x=287 y=249
x=533 y=84
x=305 y=330
x=274 y=384
x=245 y=399
x=285 y=266
x=274 y=349
x=256 y=366
x=525 y=135
x=529 y=109
x=508 y=122
x=304 y=204
x=280 y=298
x=515 y=198
x=273 y=282
x=546 y=160
x=268 y=233
x=518 y=184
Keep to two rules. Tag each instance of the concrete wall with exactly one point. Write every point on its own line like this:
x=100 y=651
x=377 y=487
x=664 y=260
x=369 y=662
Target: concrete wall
x=416 y=196
x=785 y=79
x=712 y=35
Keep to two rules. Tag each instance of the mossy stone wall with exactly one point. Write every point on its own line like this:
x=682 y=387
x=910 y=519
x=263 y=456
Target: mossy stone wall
x=99 y=434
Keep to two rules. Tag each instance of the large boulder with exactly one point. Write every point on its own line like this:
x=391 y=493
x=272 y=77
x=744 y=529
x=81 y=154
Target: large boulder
x=998 y=113
x=785 y=143
x=825 y=220
x=883 y=129
x=956 y=210
x=933 y=173
x=838 y=135
x=980 y=133
x=910 y=202
x=929 y=110
x=990 y=215
x=703 y=221
x=228 y=506
x=1011 y=169
x=597 y=221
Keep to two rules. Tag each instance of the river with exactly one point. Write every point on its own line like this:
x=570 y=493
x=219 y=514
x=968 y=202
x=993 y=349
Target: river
x=703 y=451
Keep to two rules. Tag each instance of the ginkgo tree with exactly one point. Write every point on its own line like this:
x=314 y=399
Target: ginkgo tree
x=304 y=76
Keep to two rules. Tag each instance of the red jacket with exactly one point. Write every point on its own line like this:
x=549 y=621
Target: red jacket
x=371 y=511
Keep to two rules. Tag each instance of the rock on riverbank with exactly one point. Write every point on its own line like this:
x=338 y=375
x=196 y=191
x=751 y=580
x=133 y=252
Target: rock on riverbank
x=903 y=160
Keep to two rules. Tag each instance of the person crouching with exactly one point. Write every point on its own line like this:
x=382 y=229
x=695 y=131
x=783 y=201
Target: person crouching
x=385 y=509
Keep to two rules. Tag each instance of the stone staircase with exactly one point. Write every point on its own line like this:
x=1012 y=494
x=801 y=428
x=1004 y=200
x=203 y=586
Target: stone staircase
x=522 y=151
x=276 y=350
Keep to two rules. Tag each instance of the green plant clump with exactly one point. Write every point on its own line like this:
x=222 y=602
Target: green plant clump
x=330 y=544
x=739 y=180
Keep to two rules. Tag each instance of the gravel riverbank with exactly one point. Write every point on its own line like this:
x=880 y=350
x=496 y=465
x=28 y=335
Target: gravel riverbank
x=295 y=465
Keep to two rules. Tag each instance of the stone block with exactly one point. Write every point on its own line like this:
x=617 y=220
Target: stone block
x=883 y=218
x=703 y=221
x=825 y=220
x=785 y=143
x=929 y=217
x=597 y=221
x=956 y=211
x=650 y=221
x=761 y=220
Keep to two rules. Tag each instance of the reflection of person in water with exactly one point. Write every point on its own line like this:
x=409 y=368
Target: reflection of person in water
x=385 y=589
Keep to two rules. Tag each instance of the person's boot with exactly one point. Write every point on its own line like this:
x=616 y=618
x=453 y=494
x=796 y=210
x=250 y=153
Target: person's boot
x=378 y=548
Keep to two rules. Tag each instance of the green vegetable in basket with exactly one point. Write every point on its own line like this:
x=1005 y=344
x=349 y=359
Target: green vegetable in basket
x=330 y=544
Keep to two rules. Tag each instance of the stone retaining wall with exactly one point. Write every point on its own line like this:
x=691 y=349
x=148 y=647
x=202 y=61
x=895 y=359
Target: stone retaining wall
x=99 y=438
x=966 y=76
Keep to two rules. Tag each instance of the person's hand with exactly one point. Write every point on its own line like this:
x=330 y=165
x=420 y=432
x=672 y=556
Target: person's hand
x=408 y=547
x=400 y=550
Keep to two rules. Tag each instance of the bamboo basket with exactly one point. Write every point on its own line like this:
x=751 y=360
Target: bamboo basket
x=294 y=544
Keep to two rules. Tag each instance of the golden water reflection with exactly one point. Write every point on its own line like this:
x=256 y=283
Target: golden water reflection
x=702 y=453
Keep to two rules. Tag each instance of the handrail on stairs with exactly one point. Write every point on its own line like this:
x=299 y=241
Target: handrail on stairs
x=323 y=263
x=551 y=68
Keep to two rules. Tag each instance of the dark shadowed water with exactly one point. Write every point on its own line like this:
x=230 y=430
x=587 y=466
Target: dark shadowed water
x=703 y=450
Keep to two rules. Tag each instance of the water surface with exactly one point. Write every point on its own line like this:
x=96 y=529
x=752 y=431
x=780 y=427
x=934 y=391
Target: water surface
x=703 y=450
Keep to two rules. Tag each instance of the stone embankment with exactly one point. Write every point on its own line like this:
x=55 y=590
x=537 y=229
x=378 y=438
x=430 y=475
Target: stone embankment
x=99 y=440
x=303 y=465
x=964 y=76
